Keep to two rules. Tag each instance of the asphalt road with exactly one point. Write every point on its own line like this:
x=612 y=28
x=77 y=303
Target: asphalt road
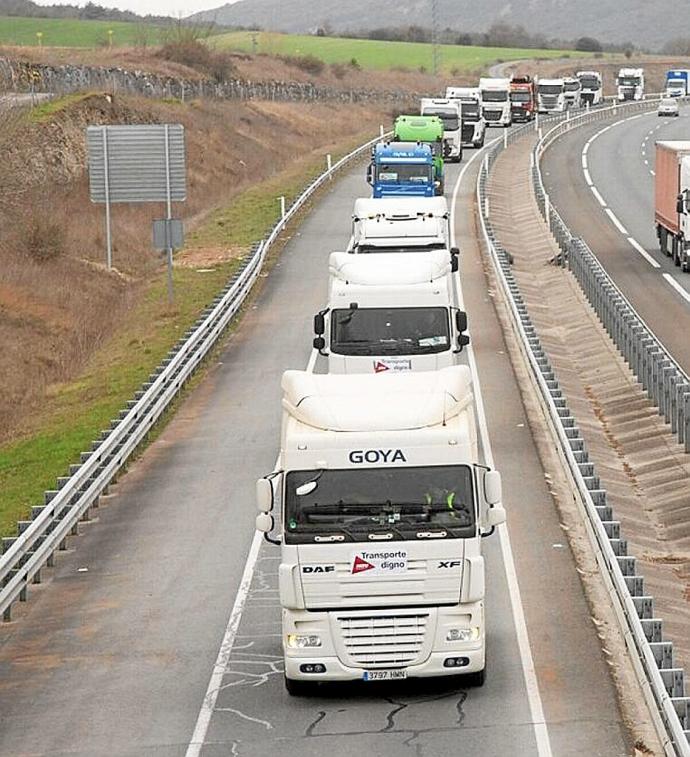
x=620 y=162
x=113 y=656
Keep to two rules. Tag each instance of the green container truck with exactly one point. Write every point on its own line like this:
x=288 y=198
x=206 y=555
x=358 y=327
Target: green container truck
x=429 y=130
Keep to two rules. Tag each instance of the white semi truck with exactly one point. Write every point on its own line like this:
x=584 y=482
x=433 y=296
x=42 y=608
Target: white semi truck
x=551 y=96
x=571 y=91
x=396 y=312
x=495 y=94
x=591 y=87
x=450 y=112
x=473 y=123
x=379 y=503
x=630 y=83
x=400 y=224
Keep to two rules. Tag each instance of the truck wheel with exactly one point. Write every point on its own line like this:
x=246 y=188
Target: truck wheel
x=298 y=688
x=476 y=680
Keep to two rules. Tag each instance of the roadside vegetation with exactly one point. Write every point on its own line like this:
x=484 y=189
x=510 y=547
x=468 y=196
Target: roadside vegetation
x=77 y=340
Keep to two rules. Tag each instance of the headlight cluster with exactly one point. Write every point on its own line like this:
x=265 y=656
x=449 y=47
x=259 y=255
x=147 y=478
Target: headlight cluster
x=303 y=641
x=463 y=634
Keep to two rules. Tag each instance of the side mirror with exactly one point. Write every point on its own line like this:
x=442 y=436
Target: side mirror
x=264 y=495
x=461 y=321
x=319 y=324
x=370 y=173
x=463 y=341
x=493 y=489
x=495 y=517
x=319 y=343
x=264 y=523
x=680 y=204
x=454 y=259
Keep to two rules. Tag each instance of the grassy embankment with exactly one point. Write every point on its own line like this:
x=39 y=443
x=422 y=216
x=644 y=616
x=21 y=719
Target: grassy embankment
x=77 y=411
x=372 y=54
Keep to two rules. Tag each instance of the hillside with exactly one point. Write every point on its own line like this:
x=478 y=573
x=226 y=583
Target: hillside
x=648 y=24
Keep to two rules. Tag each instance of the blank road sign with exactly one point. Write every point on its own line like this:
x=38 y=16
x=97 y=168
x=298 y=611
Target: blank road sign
x=128 y=163
x=168 y=234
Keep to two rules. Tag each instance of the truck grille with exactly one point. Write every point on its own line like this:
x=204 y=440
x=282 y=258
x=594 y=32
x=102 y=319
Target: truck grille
x=492 y=115
x=383 y=640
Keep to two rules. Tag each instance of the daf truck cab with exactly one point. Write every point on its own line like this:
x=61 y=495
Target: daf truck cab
x=591 y=87
x=630 y=83
x=551 y=96
x=450 y=113
x=403 y=169
x=400 y=224
x=473 y=123
x=395 y=312
x=677 y=83
x=379 y=504
x=495 y=95
x=571 y=91
x=522 y=98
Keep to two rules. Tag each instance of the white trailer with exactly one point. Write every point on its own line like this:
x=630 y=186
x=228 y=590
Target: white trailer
x=551 y=96
x=379 y=504
x=495 y=95
x=450 y=112
x=396 y=312
x=400 y=224
x=630 y=83
x=591 y=87
x=473 y=123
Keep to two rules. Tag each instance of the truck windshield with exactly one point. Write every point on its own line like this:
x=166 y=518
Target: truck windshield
x=407 y=173
x=374 y=248
x=449 y=118
x=400 y=502
x=520 y=97
x=470 y=110
x=389 y=331
x=628 y=81
x=589 y=82
x=550 y=89
x=676 y=83
x=491 y=96
x=572 y=86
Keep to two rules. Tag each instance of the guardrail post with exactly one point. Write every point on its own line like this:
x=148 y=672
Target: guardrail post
x=282 y=206
x=329 y=163
x=686 y=421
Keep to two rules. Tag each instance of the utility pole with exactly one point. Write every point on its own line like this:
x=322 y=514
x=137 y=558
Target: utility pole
x=435 y=47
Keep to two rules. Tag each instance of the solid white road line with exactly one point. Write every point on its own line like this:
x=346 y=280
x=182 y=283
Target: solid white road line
x=681 y=290
x=637 y=246
x=204 y=720
x=588 y=178
x=615 y=221
x=541 y=732
x=584 y=160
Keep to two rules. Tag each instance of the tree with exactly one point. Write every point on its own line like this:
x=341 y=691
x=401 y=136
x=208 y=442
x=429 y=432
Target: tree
x=588 y=45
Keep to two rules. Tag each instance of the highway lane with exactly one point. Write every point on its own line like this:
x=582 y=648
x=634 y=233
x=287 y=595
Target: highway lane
x=620 y=162
x=113 y=657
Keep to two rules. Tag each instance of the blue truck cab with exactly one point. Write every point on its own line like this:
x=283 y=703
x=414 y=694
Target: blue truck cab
x=403 y=169
x=677 y=83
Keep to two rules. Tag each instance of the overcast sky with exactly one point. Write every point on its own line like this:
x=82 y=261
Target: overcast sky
x=158 y=7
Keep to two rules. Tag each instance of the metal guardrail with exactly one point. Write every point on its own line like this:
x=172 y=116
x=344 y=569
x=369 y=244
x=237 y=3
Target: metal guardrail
x=662 y=684
x=25 y=555
x=665 y=382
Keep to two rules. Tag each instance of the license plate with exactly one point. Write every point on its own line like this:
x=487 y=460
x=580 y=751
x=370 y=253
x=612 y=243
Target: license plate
x=384 y=675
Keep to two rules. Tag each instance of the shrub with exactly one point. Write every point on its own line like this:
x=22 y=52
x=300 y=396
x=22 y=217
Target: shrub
x=588 y=45
x=40 y=237
x=309 y=63
x=338 y=70
x=354 y=63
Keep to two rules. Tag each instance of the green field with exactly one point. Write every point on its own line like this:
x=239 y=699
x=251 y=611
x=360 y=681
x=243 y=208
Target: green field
x=59 y=32
x=379 y=55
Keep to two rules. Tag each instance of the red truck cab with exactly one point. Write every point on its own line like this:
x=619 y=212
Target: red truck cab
x=522 y=98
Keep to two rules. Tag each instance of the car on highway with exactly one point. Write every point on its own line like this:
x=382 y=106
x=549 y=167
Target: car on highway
x=668 y=107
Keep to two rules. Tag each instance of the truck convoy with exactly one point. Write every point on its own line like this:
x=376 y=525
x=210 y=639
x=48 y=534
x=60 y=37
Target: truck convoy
x=571 y=90
x=396 y=312
x=473 y=124
x=677 y=83
x=400 y=224
x=428 y=130
x=382 y=503
x=672 y=201
x=495 y=94
x=450 y=113
x=630 y=83
x=551 y=96
x=402 y=169
x=591 y=88
x=522 y=98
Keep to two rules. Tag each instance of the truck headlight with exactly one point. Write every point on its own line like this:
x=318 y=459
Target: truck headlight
x=463 y=634
x=303 y=641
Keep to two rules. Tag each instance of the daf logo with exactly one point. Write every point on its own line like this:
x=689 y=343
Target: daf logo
x=449 y=564
x=318 y=569
x=377 y=456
